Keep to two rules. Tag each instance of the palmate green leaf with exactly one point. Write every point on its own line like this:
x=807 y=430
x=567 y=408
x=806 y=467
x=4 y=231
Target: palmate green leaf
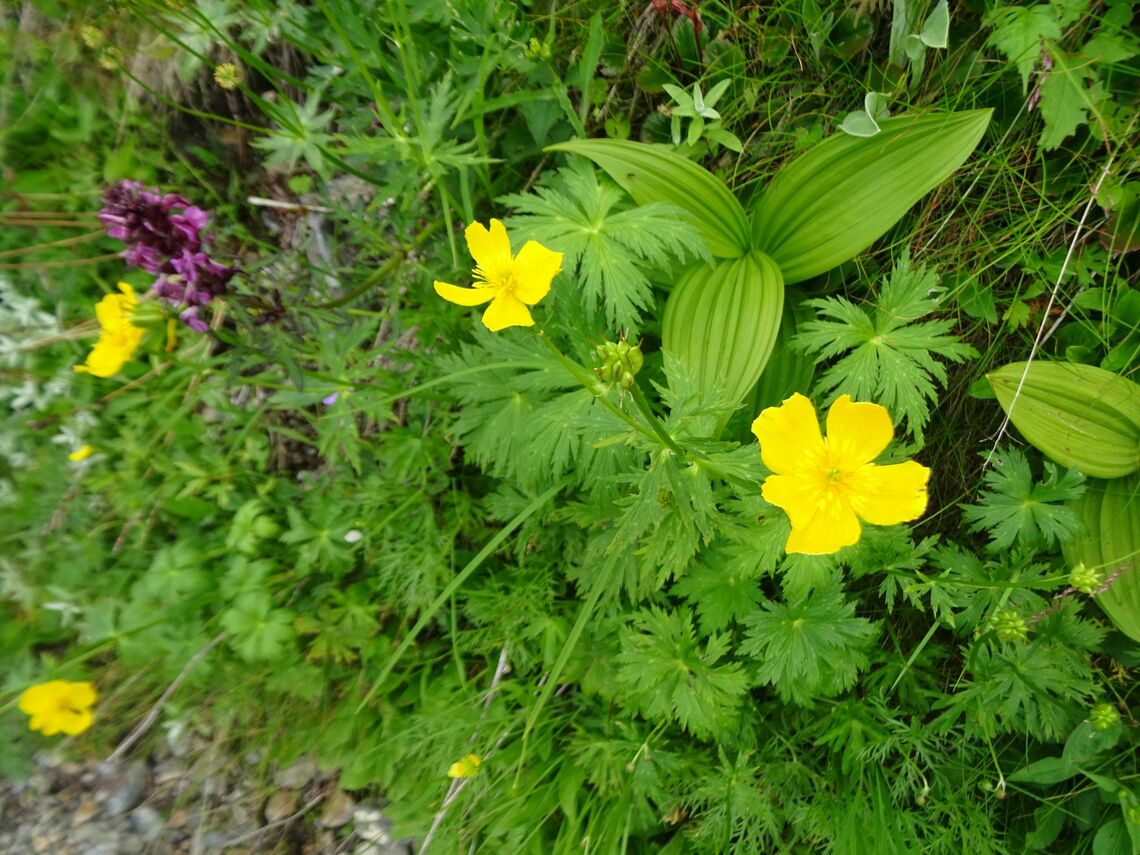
x=885 y=356
x=607 y=249
x=524 y=417
x=258 y=632
x=657 y=174
x=662 y=522
x=723 y=586
x=1014 y=509
x=810 y=648
x=669 y=675
x=840 y=196
x=1018 y=31
x=1066 y=98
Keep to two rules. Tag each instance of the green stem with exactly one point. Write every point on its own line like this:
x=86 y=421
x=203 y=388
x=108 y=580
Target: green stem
x=654 y=422
x=591 y=384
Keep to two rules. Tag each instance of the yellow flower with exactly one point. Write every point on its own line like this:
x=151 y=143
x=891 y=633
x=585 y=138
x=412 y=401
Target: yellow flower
x=118 y=337
x=81 y=453
x=466 y=767
x=510 y=283
x=59 y=707
x=827 y=485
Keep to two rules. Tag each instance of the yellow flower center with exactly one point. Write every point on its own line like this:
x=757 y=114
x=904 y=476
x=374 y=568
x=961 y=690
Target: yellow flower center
x=507 y=283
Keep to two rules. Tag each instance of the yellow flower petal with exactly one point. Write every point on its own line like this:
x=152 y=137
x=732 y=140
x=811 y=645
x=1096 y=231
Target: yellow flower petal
x=491 y=249
x=81 y=453
x=888 y=495
x=789 y=435
x=796 y=495
x=465 y=768
x=832 y=527
x=507 y=310
x=75 y=722
x=82 y=694
x=464 y=296
x=534 y=270
x=106 y=357
x=857 y=433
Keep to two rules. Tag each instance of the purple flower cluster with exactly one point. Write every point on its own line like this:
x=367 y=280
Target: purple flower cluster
x=167 y=244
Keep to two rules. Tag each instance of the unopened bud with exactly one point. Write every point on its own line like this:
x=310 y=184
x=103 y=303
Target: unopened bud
x=620 y=362
x=1085 y=580
x=1103 y=716
x=1009 y=625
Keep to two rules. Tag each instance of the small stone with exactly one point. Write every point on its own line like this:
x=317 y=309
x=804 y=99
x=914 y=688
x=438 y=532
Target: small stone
x=338 y=811
x=87 y=809
x=127 y=789
x=371 y=825
x=296 y=776
x=147 y=822
x=281 y=804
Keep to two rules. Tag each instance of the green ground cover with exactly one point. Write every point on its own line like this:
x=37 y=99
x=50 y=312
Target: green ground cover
x=572 y=569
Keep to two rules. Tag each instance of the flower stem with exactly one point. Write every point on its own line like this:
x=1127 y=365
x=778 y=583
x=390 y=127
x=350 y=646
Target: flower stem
x=654 y=422
x=591 y=384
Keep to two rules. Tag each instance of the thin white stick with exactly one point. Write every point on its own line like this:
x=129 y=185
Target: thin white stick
x=1040 y=337
x=261 y=201
x=149 y=719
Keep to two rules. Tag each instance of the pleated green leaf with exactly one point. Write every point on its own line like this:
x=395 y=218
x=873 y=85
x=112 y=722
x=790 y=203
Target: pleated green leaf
x=656 y=174
x=1076 y=415
x=1110 y=511
x=722 y=322
x=834 y=201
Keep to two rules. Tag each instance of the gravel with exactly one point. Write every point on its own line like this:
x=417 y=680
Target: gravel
x=187 y=805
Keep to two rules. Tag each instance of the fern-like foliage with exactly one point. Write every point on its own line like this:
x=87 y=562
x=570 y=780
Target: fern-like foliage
x=668 y=674
x=1015 y=509
x=523 y=416
x=607 y=248
x=886 y=355
x=810 y=648
x=1041 y=686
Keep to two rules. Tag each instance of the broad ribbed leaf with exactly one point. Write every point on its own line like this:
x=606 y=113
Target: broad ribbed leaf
x=1110 y=511
x=656 y=174
x=722 y=322
x=835 y=200
x=1077 y=415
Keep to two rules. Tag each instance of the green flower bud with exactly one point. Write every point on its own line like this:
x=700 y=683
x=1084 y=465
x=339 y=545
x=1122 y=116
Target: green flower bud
x=1103 y=716
x=537 y=50
x=1009 y=625
x=620 y=362
x=1085 y=580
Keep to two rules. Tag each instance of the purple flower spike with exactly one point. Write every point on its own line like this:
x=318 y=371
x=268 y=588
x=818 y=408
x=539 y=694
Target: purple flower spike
x=163 y=234
x=191 y=319
x=329 y=400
